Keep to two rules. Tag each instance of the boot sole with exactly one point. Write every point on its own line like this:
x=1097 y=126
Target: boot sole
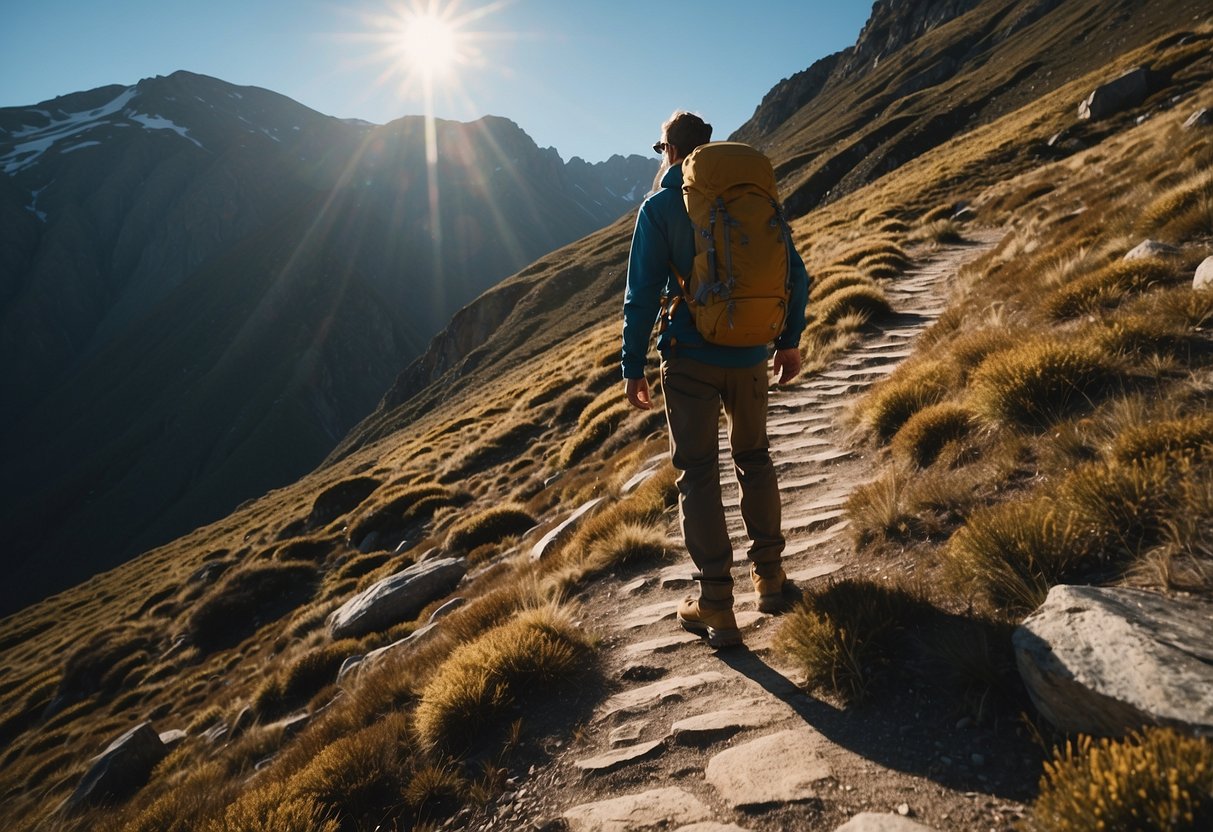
x=716 y=638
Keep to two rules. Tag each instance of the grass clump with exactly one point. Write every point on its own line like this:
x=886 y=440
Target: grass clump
x=1013 y=552
x=340 y=498
x=593 y=433
x=840 y=280
x=489 y=526
x=1108 y=286
x=1186 y=209
x=273 y=809
x=922 y=437
x=1190 y=436
x=910 y=389
x=1040 y=382
x=857 y=252
x=395 y=510
x=1157 y=779
x=867 y=301
x=303 y=678
x=844 y=635
x=248 y=598
x=506 y=668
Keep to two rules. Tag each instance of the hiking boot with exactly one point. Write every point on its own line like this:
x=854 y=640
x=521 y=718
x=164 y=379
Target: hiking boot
x=775 y=594
x=720 y=626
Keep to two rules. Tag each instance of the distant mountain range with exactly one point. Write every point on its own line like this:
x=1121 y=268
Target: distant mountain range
x=204 y=286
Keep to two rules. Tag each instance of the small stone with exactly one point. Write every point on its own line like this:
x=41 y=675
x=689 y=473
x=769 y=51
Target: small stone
x=1151 y=248
x=1203 y=279
x=656 y=809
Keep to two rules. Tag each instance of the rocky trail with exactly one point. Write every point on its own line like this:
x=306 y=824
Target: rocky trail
x=687 y=738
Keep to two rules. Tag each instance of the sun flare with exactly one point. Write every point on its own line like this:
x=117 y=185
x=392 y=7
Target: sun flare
x=429 y=44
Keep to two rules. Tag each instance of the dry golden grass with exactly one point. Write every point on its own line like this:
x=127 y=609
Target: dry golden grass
x=1153 y=780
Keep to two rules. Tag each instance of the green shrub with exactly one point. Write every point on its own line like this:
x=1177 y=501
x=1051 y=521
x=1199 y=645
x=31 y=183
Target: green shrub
x=925 y=433
x=489 y=526
x=484 y=681
x=1040 y=382
x=1157 y=779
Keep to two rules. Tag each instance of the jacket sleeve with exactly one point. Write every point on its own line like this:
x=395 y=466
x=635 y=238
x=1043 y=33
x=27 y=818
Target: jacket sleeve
x=648 y=271
x=790 y=337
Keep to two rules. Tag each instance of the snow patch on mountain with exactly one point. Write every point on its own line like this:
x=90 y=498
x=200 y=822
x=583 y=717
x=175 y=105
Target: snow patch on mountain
x=158 y=123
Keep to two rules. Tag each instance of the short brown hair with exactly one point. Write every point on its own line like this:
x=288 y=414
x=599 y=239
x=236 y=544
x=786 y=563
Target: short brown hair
x=686 y=131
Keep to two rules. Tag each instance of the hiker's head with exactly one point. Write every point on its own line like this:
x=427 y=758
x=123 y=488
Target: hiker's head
x=682 y=133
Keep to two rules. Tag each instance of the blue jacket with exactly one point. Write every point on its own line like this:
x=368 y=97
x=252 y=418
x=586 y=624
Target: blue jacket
x=664 y=234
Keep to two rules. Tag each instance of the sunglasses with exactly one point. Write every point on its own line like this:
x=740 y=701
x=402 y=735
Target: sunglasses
x=659 y=147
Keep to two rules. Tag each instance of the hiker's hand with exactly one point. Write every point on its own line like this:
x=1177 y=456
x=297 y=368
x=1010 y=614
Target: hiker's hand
x=786 y=365
x=638 y=393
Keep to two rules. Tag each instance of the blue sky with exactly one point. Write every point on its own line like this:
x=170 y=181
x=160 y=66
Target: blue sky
x=588 y=78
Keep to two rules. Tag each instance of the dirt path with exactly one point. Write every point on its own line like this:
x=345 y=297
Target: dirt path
x=689 y=737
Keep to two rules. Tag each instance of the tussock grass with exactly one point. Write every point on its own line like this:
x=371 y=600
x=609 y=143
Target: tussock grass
x=1108 y=286
x=489 y=526
x=512 y=665
x=838 y=280
x=273 y=809
x=340 y=498
x=247 y=598
x=922 y=437
x=1155 y=779
x=866 y=301
x=594 y=432
x=869 y=248
x=842 y=636
x=390 y=513
x=912 y=387
x=1186 y=436
x=1185 y=209
x=295 y=684
x=1042 y=381
x=1015 y=551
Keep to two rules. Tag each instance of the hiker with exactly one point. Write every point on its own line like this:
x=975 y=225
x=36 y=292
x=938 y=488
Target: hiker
x=698 y=376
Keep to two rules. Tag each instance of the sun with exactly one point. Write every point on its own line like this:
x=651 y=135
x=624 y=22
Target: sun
x=429 y=44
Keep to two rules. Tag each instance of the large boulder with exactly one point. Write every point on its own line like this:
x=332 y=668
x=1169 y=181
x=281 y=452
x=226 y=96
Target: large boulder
x=121 y=769
x=396 y=598
x=1122 y=92
x=1108 y=660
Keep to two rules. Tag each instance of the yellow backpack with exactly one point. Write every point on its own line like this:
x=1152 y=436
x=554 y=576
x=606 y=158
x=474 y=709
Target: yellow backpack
x=740 y=284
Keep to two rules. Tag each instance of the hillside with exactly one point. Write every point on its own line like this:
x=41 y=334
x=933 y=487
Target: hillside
x=205 y=286
x=998 y=404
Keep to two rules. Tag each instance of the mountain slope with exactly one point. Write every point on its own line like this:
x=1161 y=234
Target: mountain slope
x=205 y=286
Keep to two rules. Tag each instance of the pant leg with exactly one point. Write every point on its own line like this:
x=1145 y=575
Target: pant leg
x=692 y=393
x=745 y=405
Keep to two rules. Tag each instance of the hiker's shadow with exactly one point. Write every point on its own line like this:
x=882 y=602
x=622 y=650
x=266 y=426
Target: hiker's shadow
x=905 y=735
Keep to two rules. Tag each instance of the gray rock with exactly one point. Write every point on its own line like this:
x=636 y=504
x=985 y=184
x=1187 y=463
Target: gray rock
x=1104 y=661
x=396 y=598
x=172 y=738
x=1203 y=279
x=626 y=734
x=120 y=770
x=643 y=697
x=620 y=757
x=719 y=724
x=447 y=608
x=878 y=822
x=1122 y=92
x=1200 y=118
x=779 y=768
x=1151 y=248
x=654 y=810
x=563 y=530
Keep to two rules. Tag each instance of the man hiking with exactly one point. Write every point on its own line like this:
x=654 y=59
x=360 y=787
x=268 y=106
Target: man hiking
x=698 y=375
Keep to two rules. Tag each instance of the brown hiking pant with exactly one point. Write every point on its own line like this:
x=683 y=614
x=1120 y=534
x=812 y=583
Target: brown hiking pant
x=693 y=393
